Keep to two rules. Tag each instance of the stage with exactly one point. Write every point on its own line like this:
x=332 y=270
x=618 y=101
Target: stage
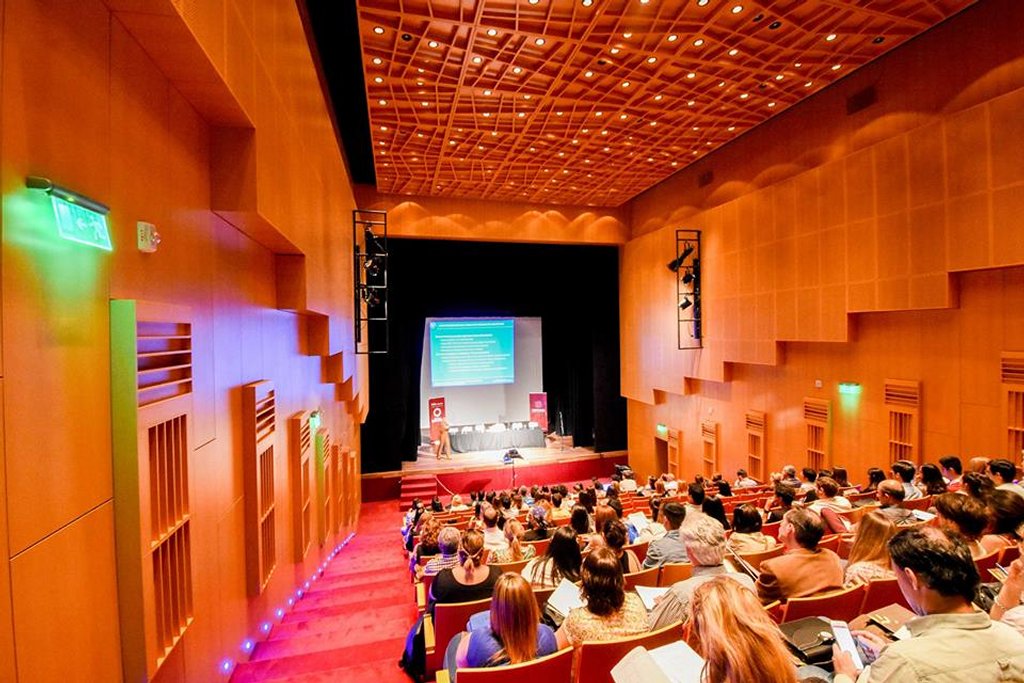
x=485 y=470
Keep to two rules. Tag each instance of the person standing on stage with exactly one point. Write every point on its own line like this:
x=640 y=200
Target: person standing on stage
x=444 y=441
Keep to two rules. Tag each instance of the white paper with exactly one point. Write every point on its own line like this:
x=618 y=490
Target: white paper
x=648 y=594
x=565 y=597
x=923 y=516
x=672 y=663
x=639 y=521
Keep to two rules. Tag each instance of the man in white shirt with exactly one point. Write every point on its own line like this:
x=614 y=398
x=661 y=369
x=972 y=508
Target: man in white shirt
x=743 y=481
x=1002 y=472
x=903 y=471
x=951 y=640
x=494 y=539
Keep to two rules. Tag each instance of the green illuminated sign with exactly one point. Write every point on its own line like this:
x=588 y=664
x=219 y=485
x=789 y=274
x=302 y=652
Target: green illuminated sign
x=314 y=421
x=76 y=223
x=662 y=429
x=849 y=388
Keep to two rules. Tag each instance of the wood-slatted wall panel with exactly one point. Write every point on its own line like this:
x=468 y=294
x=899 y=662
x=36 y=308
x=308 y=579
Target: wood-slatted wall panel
x=709 y=437
x=1012 y=379
x=151 y=410
x=755 y=423
x=338 y=488
x=300 y=453
x=818 y=420
x=259 y=413
x=903 y=402
x=323 y=482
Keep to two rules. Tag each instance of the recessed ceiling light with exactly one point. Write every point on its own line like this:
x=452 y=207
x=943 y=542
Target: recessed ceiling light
x=808 y=84
x=623 y=116
x=526 y=97
x=585 y=131
x=658 y=98
x=644 y=2
x=382 y=143
x=533 y=2
x=607 y=149
x=588 y=74
x=378 y=61
x=774 y=25
x=487 y=93
x=652 y=60
x=698 y=42
x=614 y=50
x=492 y=32
x=379 y=30
x=588 y=3
x=673 y=38
x=878 y=40
x=559 y=113
x=539 y=41
x=487 y=114
x=521 y=114
x=517 y=69
x=696 y=128
x=733 y=52
x=830 y=37
x=625 y=84
x=451 y=142
x=771 y=104
x=798 y=65
x=477 y=60
x=654 y=123
x=604 y=132
x=837 y=67
x=779 y=77
x=702 y=3
x=432 y=43
x=737 y=9
x=721 y=84
x=691 y=75
x=575 y=141
x=494 y=133
x=533 y=149
x=561 y=154
x=691 y=103
x=744 y=96
x=382 y=103
x=731 y=128
x=627 y=35
x=425 y=104
x=378 y=79
x=383 y=127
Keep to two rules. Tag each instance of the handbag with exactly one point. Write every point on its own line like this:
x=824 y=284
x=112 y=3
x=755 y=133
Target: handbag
x=810 y=639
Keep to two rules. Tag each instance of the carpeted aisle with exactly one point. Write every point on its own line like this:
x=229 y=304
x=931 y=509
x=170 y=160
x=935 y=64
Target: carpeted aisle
x=351 y=625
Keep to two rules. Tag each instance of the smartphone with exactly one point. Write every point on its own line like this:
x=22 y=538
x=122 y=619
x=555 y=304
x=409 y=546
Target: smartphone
x=844 y=639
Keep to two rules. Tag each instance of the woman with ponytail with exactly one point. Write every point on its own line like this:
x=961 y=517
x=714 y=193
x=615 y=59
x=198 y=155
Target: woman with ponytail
x=516 y=551
x=514 y=634
x=469 y=580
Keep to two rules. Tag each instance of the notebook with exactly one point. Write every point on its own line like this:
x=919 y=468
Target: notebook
x=672 y=663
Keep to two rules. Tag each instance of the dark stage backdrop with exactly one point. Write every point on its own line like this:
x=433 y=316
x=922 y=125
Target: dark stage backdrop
x=573 y=289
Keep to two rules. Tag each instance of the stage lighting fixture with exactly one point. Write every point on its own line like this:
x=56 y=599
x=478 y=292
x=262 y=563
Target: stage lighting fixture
x=688 y=278
x=685 y=303
x=675 y=264
x=372 y=265
x=371 y=297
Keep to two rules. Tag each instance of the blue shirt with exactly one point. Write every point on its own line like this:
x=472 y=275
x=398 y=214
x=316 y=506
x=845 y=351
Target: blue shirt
x=668 y=548
x=483 y=645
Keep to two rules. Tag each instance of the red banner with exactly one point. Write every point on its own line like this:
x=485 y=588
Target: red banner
x=436 y=411
x=539 y=409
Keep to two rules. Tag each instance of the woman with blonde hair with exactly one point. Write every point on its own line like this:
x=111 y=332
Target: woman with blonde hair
x=514 y=634
x=869 y=556
x=469 y=580
x=515 y=551
x=738 y=640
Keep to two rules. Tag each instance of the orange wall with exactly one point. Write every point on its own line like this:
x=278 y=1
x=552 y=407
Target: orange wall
x=818 y=222
x=98 y=97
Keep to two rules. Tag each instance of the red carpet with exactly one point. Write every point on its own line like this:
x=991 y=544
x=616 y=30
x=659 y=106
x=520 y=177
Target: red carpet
x=351 y=625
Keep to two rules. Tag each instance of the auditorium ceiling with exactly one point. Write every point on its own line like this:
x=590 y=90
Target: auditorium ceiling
x=591 y=102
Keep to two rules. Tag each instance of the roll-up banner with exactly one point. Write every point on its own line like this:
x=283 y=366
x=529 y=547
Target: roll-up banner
x=539 y=409
x=436 y=408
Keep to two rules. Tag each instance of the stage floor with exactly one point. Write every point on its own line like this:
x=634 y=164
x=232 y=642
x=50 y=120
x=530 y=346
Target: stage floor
x=426 y=463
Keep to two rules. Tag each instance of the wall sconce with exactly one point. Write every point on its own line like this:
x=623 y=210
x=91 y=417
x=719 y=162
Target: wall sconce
x=686 y=266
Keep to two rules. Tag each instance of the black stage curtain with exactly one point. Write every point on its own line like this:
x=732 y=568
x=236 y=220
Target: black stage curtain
x=573 y=289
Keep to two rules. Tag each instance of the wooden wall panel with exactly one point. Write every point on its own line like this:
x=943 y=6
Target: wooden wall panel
x=7 y=664
x=54 y=293
x=65 y=603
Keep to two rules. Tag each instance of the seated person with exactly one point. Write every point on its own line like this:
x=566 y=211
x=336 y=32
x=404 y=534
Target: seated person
x=789 y=477
x=869 y=555
x=777 y=507
x=951 y=640
x=903 y=471
x=746 y=531
x=828 y=496
x=1007 y=606
x=695 y=493
x=952 y=470
x=1006 y=515
x=615 y=536
x=562 y=560
x=805 y=569
x=628 y=483
x=890 y=495
x=931 y=483
x=742 y=480
x=558 y=508
x=1003 y=473
x=808 y=478
x=516 y=550
x=705 y=544
x=654 y=529
x=610 y=611
x=602 y=515
x=537 y=525
x=494 y=539
x=668 y=548
x=737 y=639
x=875 y=477
x=965 y=515
x=448 y=542
x=714 y=508
x=468 y=581
x=427 y=545
x=514 y=635
x=457 y=504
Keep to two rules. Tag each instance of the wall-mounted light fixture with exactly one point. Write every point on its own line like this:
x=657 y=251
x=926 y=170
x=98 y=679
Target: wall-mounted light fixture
x=79 y=218
x=849 y=388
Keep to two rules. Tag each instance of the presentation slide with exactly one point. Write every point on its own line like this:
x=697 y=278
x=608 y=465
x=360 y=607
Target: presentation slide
x=472 y=352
